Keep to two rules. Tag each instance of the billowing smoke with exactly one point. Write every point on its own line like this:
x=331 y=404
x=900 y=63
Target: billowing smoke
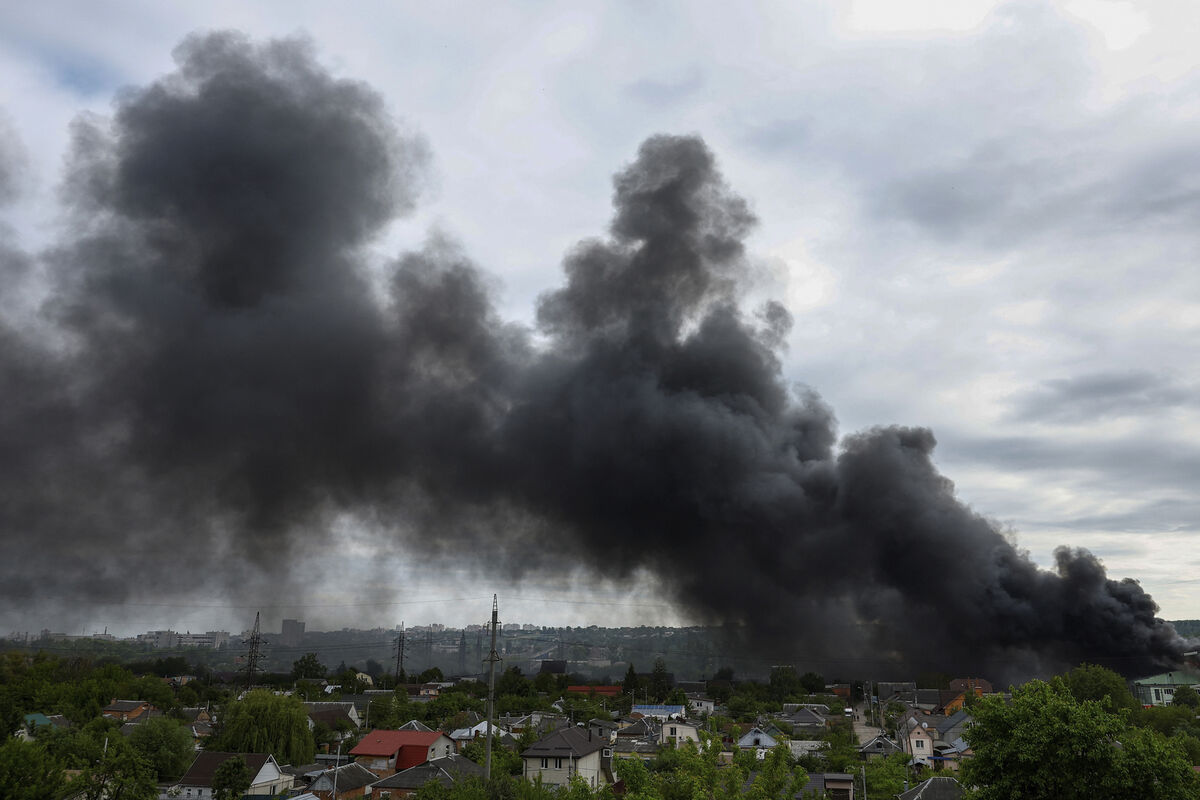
x=213 y=378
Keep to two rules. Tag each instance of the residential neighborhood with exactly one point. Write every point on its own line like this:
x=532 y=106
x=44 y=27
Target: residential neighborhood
x=165 y=728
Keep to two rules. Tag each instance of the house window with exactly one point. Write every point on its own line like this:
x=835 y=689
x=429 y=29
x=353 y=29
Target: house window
x=607 y=753
x=920 y=744
x=558 y=763
x=545 y=763
x=672 y=731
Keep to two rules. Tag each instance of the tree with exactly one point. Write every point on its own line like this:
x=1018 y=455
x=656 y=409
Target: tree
x=1186 y=696
x=120 y=773
x=27 y=771
x=630 y=684
x=1047 y=743
x=166 y=745
x=777 y=777
x=812 y=683
x=265 y=723
x=504 y=761
x=886 y=776
x=660 y=682
x=1093 y=682
x=231 y=780
x=308 y=666
x=433 y=674
x=514 y=683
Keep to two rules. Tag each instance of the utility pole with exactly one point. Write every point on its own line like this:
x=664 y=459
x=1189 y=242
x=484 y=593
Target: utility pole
x=337 y=764
x=400 y=654
x=491 y=660
x=254 y=654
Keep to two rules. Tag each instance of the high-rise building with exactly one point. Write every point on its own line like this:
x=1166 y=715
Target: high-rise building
x=293 y=632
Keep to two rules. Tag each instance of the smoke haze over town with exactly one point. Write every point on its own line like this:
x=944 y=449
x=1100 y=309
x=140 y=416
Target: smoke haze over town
x=287 y=329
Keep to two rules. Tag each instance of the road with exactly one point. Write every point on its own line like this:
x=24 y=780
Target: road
x=865 y=731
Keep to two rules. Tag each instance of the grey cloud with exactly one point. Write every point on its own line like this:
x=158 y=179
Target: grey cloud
x=659 y=92
x=1095 y=397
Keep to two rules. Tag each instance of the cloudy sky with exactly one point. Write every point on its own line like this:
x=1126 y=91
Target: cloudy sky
x=982 y=215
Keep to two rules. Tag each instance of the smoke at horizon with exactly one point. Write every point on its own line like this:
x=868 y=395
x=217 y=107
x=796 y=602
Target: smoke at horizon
x=213 y=382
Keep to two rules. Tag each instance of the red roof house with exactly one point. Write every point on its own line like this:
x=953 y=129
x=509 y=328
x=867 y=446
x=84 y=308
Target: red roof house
x=388 y=752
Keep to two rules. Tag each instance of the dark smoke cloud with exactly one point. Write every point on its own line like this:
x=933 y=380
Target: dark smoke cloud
x=224 y=382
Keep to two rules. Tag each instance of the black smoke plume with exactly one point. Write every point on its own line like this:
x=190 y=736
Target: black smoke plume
x=214 y=379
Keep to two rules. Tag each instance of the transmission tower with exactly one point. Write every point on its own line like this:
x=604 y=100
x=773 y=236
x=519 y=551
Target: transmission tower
x=254 y=654
x=400 y=654
x=491 y=660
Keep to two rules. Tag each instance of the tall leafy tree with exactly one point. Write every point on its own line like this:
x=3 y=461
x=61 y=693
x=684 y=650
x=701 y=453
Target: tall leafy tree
x=166 y=744
x=630 y=684
x=231 y=779
x=1186 y=696
x=308 y=666
x=1047 y=743
x=262 y=722
x=1093 y=682
x=121 y=773
x=659 y=681
x=28 y=772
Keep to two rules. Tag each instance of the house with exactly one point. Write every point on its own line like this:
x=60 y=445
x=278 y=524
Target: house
x=127 y=710
x=701 y=704
x=806 y=747
x=917 y=740
x=350 y=781
x=539 y=721
x=1159 y=690
x=196 y=783
x=677 y=732
x=603 y=728
x=414 y=725
x=756 y=739
x=885 y=690
x=878 y=748
x=645 y=749
x=387 y=752
x=660 y=713
x=971 y=684
x=831 y=785
x=445 y=771
x=805 y=720
x=638 y=728
x=37 y=720
x=566 y=753
x=339 y=721
x=464 y=736
x=952 y=727
x=936 y=788
x=334 y=712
